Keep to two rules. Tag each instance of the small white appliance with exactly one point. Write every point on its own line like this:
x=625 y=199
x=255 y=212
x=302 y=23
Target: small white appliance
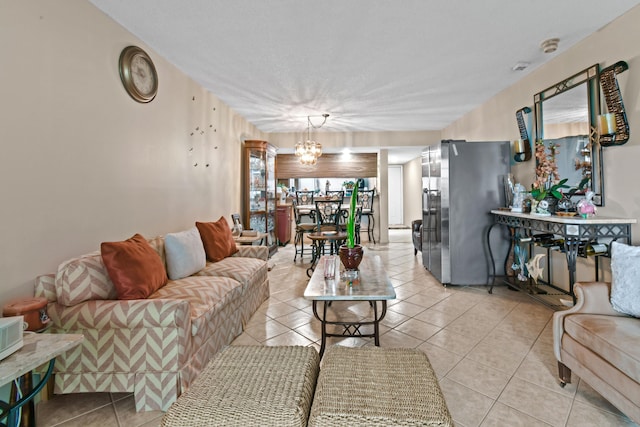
x=10 y=335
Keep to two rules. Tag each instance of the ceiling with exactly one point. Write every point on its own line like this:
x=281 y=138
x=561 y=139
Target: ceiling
x=407 y=65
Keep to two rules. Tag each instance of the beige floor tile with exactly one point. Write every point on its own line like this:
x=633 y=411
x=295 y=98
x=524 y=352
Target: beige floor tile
x=586 y=394
x=584 y=415
x=393 y=338
x=418 y=329
x=496 y=357
x=393 y=319
x=245 y=339
x=288 y=338
x=441 y=360
x=467 y=407
x=479 y=377
x=454 y=342
x=280 y=309
x=127 y=415
x=502 y=415
x=536 y=401
x=295 y=319
x=267 y=330
x=406 y=308
x=65 y=406
x=435 y=317
x=105 y=416
x=544 y=372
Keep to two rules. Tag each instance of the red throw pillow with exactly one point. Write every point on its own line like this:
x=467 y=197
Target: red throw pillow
x=135 y=269
x=217 y=239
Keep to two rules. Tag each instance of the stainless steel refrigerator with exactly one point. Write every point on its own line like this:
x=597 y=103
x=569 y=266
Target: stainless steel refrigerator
x=462 y=182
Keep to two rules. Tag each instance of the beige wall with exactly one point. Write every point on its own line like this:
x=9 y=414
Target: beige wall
x=81 y=161
x=496 y=119
x=412 y=192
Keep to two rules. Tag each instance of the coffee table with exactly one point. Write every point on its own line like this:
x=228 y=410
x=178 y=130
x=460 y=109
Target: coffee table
x=371 y=284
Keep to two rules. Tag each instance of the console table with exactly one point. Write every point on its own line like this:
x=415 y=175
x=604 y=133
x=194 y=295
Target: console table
x=37 y=349
x=573 y=230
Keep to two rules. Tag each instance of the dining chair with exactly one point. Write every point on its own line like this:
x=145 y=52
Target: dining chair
x=365 y=201
x=302 y=228
x=328 y=219
x=335 y=195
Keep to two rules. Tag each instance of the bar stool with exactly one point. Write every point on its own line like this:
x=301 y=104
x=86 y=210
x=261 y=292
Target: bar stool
x=365 y=200
x=302 y=228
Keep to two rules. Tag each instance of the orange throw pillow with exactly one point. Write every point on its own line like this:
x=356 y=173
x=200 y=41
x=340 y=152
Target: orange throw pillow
x=135 y=269
x=217 y=239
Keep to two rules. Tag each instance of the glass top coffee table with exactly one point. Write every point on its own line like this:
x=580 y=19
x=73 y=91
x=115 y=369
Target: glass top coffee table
x=370 y=284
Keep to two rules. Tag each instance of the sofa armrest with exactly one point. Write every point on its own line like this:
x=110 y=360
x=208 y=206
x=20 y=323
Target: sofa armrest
x=253 y=251
x=591 y=298
x=126 y=314
x=45 y=287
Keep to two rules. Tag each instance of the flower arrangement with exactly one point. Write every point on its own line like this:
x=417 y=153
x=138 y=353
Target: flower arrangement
x=547 y=180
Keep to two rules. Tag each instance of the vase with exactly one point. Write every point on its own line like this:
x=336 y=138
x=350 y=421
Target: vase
x=552 y=203
x=350 y=257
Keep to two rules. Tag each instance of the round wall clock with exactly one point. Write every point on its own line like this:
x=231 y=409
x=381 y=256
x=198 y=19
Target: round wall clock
x=138 y=74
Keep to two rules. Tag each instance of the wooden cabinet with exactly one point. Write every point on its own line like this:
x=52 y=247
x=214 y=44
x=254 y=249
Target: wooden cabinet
x=283 y=221
x=259 y=190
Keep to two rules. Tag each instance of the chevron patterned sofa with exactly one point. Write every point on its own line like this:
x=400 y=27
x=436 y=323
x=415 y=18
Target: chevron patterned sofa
x=153 y=347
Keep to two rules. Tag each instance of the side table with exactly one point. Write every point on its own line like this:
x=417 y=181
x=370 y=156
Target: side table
x=36 y=350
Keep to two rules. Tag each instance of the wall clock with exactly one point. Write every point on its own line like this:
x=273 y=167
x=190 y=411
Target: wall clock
x=138 y=74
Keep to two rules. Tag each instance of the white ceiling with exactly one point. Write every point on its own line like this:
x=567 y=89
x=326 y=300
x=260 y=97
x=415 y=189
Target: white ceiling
x=372 y=65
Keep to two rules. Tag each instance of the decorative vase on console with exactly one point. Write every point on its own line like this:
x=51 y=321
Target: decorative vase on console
x=351 y=253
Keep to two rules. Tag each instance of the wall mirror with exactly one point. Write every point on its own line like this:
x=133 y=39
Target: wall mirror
x=566 y=119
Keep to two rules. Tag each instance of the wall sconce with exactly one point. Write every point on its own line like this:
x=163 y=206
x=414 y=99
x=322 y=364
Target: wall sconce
x=613 y=128
x=522 y=147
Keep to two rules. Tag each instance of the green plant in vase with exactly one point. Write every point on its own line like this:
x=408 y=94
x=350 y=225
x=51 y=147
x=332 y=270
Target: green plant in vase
x=351 y=252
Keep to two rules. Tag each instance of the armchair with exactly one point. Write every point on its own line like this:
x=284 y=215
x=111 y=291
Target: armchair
x=601 y=345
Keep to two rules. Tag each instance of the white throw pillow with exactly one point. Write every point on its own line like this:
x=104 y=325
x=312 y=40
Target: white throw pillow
x=185 y=253
x=625 y=278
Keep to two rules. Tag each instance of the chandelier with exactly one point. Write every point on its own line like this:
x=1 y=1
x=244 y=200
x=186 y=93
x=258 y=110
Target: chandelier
x=309 y=150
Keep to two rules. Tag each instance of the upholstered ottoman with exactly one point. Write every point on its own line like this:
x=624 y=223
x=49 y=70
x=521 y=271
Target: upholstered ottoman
x=250 y=386
x=374 y=386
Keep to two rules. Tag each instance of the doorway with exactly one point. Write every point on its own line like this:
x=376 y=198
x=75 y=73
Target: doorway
x=396 y=201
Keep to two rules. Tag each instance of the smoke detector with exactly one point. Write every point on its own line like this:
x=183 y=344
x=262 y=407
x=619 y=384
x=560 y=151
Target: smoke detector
x=549 y=45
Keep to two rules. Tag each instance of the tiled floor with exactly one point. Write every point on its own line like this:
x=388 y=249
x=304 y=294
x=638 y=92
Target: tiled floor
x=492 y=353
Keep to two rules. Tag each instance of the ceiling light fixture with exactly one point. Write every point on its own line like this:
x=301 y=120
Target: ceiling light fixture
x=309 y=150
x=550 y=45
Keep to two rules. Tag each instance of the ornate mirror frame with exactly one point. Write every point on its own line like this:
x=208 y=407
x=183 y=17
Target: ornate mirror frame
x=590 y=76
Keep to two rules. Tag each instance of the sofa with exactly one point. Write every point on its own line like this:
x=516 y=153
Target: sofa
x=601 y=345
x=153 y=346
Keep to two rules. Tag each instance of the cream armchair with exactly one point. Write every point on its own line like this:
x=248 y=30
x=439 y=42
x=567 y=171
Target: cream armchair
x=601 y=345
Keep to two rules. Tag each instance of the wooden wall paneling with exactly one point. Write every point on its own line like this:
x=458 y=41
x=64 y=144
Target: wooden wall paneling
x=359 y=165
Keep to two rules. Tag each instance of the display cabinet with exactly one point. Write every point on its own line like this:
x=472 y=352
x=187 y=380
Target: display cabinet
x=259 y=190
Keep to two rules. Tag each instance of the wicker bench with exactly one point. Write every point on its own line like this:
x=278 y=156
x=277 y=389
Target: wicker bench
x=250 y=386
x=373 y=386
x=274 y=386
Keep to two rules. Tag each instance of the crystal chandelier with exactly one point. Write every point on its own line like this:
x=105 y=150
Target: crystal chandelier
x=309 y=150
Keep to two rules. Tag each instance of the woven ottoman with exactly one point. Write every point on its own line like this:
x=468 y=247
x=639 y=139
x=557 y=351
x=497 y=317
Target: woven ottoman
x=250 y=386
x=374 y=386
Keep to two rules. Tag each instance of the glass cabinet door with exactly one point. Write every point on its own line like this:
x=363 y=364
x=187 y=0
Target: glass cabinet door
x=257 y=190
x=271 y=197
x=259 y=206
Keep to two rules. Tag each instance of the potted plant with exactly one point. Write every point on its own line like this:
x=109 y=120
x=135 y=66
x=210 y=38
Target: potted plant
x=546 y=190
x=351 y=253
